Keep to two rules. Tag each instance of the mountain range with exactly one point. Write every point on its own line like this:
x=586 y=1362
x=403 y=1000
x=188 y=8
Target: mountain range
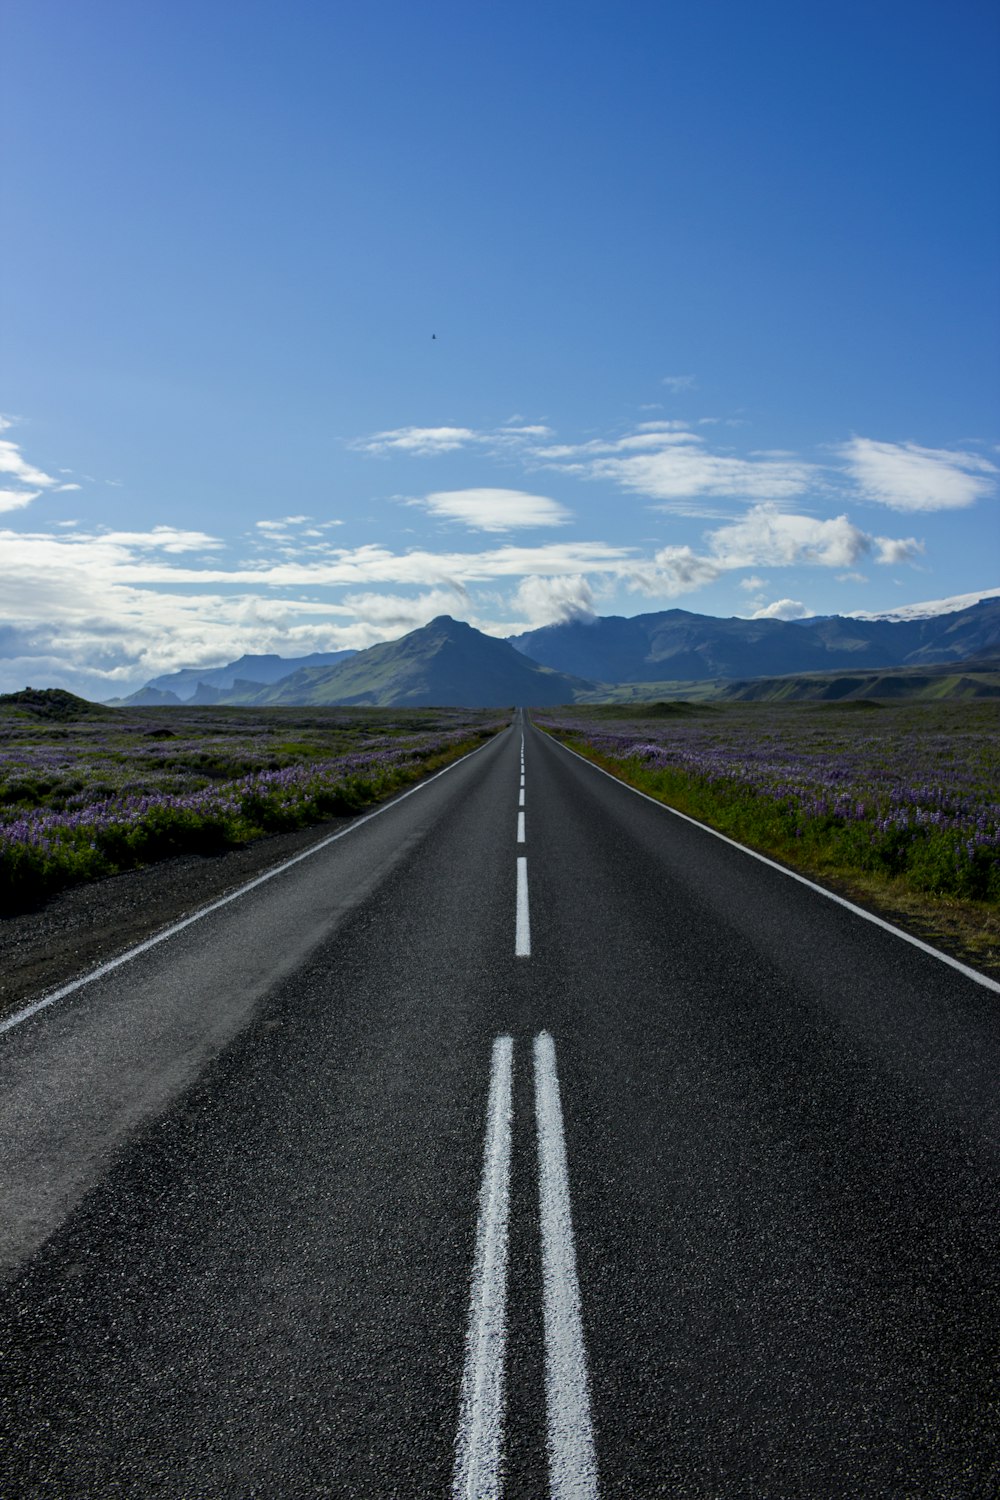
x=448 y=662
x=200 y=684
x=675 y=645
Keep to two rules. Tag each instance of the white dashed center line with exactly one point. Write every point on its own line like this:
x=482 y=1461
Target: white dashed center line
x=522 y=935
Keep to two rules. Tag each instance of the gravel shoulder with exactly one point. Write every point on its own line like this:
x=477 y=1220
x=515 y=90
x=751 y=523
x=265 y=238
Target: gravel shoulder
x=88 y=924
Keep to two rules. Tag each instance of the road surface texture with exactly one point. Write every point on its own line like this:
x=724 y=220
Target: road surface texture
x=524 y=1140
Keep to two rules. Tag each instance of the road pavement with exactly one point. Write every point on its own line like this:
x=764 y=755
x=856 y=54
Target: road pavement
x=525 y=1140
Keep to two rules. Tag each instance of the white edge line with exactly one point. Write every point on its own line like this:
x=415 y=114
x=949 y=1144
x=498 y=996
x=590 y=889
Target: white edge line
x=10 y=1022
x=859 y=911
x=522 y=933
x=479 y=1438
x=572 y=1457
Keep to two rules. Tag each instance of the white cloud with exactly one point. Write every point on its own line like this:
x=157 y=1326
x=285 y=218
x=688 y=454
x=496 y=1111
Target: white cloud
x=495 y=510
x=403 y=612
x=753 y=584
x=107 y=558
x=679 y=382
x=907 y=477
x=669 y=463
x=421 y=441
x=429 y=442
x=680 y=468
x=29 y=481
x=12 y=463
x=17 y=499
x=892 y=550
x=666 y=461
x=165 y=538
x=681 y=569
x=548 y=601
x=783 y=609
x=768 y=537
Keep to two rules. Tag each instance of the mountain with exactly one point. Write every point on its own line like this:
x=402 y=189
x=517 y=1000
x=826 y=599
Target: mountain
x=446 y=663
x=185 y=686
x=146 y=697
x=679 y=646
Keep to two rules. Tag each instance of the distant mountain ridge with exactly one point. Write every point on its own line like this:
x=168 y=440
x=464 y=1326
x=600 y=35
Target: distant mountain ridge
x=677 y=645
x=203 y=684
x=448 y=662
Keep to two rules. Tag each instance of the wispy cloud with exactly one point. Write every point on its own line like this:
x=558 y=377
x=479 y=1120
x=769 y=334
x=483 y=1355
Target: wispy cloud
x=22 y=473
x=905 y=476
x=667 y=461
x=678 y=383
x=495 y=509
x=403 y=612
x=17 y=499
x=24 y=482
x=282 y=523
x=419 y=441
x=675 y=473
x=431 y=442
x=161 y=538
x=672 y=465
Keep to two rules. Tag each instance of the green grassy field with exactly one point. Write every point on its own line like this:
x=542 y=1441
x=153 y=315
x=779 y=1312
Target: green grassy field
x=87 y=791
x=898 y=801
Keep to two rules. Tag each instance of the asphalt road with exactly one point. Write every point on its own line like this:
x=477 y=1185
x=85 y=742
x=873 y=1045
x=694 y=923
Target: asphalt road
x=337 y=1193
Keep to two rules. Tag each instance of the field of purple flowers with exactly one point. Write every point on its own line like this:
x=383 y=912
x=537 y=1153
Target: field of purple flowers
x=908 y=792
x=82 y=797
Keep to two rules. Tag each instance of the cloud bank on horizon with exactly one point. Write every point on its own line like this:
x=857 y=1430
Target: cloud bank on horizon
x=106 y=608
x=319 y=321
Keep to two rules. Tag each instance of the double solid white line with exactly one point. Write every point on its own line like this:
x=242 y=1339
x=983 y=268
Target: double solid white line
x=570 y=1436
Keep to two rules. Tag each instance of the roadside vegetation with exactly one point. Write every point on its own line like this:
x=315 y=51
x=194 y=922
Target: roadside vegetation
x=87 y=791
x=901 y=801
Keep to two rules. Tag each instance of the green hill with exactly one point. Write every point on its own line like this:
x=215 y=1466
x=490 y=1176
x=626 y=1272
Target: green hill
x=446 y=664
x=923 y=684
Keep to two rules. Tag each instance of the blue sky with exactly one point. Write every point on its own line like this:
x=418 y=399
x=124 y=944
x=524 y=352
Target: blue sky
x=322 y=319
